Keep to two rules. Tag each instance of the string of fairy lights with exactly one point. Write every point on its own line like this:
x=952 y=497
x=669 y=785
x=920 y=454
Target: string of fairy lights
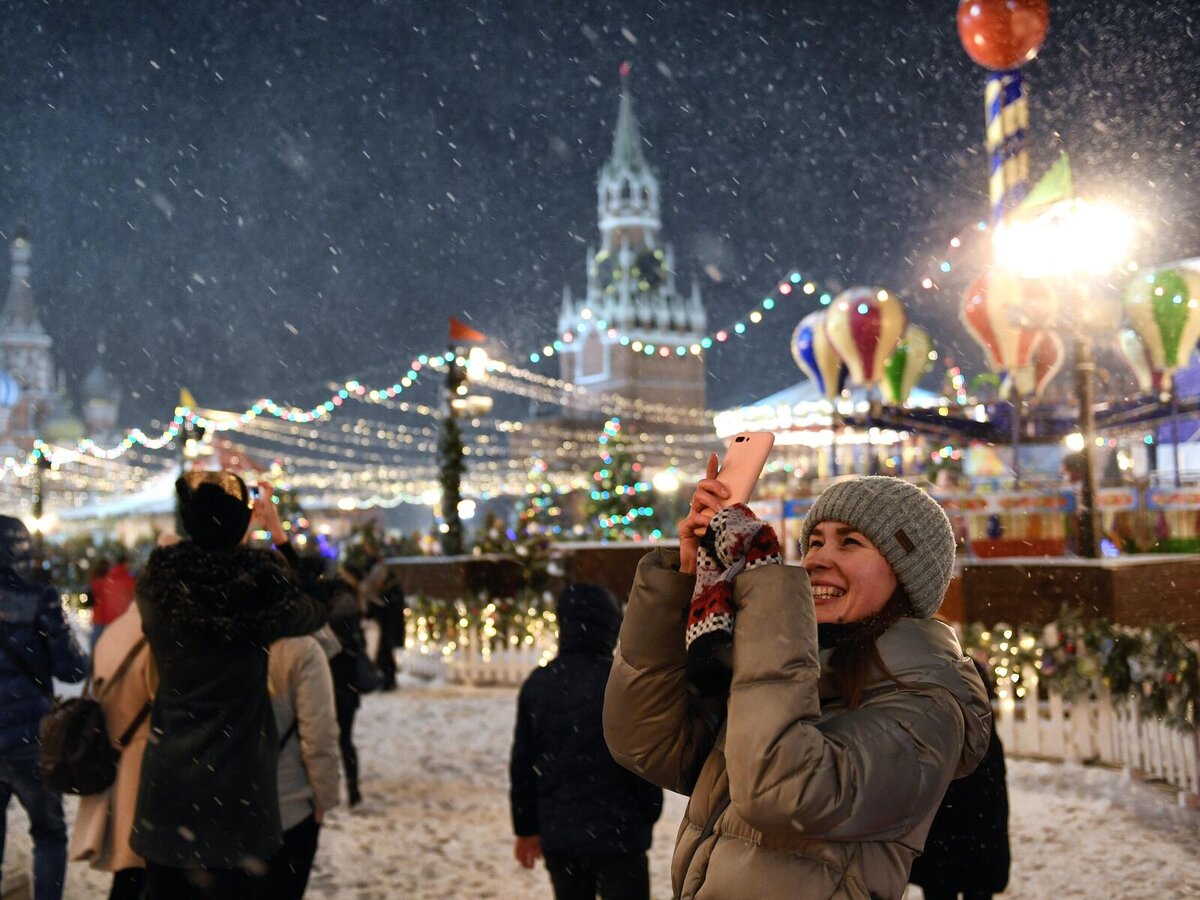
x=327 y=456
x=321 y=455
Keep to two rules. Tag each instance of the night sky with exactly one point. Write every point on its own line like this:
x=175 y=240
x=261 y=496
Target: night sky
x=255 y=198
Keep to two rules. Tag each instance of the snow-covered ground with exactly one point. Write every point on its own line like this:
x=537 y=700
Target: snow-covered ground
x=435 y=820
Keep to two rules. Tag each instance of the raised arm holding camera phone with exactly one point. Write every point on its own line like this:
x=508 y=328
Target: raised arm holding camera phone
x=817 y=747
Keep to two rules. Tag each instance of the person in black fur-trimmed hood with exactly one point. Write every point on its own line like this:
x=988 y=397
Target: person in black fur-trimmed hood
x=207 y=816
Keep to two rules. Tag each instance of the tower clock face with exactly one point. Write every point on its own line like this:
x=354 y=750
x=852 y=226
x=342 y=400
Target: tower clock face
x=649 y=269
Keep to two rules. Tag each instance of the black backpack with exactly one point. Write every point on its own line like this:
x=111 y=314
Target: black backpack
x=77 y=756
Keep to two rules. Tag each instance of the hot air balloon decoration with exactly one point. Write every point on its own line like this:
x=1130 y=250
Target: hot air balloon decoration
x=975 y=318
x=1044 y=355
x=1164 y=309
x=864 y=325
x=996 y=311
x=1148 y=378
x=816 y=357
x=904 y=368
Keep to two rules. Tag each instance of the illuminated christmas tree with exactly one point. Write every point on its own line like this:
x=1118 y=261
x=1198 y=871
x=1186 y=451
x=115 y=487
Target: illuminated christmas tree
x=621 y=502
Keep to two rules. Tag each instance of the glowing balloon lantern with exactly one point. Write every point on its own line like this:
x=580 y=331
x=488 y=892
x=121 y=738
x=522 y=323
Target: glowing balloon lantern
x=1164 y=309
x=1149 y=380
x=904 y=368
x=864 y=326
x=816 y=357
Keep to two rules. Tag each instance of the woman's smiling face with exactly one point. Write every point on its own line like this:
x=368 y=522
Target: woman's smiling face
x=851 y=580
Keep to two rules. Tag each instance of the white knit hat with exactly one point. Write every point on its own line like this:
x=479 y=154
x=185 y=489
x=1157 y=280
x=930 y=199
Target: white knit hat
x=904 y=523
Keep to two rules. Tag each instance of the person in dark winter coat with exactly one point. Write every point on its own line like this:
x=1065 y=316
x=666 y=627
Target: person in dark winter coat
x=589 y=817
x=37 y=645
x=967 y=849
x=385 y=603
x=208 y=810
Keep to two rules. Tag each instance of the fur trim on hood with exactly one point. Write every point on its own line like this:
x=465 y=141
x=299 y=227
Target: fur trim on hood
x=217 y=594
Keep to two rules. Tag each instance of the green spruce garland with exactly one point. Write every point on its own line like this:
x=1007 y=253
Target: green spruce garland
x=1154 y=667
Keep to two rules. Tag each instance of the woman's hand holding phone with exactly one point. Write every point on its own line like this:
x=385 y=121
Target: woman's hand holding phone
x=266 y=514
x=732 y=482
x=707 y=500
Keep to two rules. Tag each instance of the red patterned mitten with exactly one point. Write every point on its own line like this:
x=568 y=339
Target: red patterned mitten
x=736 y=541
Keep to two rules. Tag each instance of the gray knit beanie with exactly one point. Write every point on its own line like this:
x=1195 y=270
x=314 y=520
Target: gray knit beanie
x=904 y=523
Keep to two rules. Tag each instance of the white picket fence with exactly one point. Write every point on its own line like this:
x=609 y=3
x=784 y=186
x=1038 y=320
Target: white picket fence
x=1085 y=730
x=1100 y=731
x=475 y=659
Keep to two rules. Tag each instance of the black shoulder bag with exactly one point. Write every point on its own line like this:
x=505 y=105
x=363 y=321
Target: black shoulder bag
x=77 y=756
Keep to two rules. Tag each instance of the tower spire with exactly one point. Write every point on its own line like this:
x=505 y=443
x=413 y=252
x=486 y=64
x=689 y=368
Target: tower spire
x=19 y=313
x=627 y=139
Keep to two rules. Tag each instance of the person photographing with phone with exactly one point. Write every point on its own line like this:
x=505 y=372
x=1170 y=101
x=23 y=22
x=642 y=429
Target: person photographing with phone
x=208 y=818
x=815 y=766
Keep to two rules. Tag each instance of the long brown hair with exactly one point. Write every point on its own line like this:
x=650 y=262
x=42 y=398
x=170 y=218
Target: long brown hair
x=856 y=654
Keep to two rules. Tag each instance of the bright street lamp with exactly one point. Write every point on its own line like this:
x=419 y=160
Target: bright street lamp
x=1068 y=243
x=1072 y=237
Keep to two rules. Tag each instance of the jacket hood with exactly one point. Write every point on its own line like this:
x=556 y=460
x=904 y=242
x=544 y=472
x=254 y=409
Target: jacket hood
x=927 y=652
x=16 y=546
x=214 y=594
x=588 y=619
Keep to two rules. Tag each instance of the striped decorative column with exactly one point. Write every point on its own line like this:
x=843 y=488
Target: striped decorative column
x=1007 y=138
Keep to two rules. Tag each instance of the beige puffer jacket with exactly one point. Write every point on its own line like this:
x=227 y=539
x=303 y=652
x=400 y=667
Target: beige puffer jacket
x=792 y=795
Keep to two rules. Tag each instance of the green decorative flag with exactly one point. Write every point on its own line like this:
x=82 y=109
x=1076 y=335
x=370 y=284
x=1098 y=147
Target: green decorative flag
x=1056 y=185
x=904 y=368
x=1164 y=309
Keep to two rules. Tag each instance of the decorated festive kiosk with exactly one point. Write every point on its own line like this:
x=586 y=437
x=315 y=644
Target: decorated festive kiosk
x=1048 y=249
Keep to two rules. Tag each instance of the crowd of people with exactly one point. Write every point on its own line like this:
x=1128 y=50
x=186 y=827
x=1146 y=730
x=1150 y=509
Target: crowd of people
x=228 y=676
x=842 y=734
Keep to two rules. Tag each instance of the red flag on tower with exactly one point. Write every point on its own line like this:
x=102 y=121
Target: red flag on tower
x=462 y=333
x=626 y=68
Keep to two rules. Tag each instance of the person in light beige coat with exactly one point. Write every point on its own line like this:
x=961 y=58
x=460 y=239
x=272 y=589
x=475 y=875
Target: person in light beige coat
x=103 y=823
x=848 y=710
x=306 y=720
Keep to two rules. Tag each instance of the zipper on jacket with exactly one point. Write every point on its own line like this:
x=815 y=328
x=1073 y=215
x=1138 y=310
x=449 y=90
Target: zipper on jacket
x=711 y=824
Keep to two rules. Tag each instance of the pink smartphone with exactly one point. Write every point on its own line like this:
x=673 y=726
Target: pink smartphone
x=743 y=464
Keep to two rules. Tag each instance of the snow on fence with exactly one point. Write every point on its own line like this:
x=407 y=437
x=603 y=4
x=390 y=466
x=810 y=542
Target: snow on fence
x=1100 y=730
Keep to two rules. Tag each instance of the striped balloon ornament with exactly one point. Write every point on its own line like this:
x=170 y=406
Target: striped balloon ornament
x=816 y=357
x=1163 y=307
x=904 y=368
x=864 y=325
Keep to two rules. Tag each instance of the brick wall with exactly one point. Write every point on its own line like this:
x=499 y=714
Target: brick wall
x=1130 y=591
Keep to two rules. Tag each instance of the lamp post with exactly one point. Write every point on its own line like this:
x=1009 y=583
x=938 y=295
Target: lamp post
x=1069 y=244
x=451 y=453
x=41 y=465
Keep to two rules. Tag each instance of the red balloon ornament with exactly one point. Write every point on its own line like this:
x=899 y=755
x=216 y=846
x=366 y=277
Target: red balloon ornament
x=1002 y=34
x=974 y=316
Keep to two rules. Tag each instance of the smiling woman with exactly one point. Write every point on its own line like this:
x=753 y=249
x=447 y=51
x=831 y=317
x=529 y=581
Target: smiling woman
x=849 y=710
